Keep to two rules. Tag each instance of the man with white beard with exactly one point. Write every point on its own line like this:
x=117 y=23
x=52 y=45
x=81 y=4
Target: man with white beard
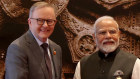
x=109 y=62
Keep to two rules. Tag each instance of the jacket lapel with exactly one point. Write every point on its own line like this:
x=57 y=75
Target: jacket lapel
x=37 y=52
x=54 y=58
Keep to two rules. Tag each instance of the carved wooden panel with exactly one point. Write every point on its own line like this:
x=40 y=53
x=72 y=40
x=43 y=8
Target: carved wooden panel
x=79 y=31
x=18 y=10
x=2 y=63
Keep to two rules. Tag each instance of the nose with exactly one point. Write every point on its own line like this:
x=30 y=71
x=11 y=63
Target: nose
x=108 y=35
x=45 y=24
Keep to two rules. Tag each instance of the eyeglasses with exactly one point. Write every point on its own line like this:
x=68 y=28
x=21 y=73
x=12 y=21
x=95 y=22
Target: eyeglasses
x=40 y=21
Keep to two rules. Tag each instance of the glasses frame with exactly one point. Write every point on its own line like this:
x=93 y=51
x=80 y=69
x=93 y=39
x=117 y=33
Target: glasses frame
x=41 y=21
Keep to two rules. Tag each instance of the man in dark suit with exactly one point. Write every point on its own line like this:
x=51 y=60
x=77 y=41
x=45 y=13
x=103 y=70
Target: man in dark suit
x=26 y=58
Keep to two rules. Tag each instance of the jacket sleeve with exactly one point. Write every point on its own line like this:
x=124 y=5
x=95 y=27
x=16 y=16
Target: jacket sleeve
x=16 y=63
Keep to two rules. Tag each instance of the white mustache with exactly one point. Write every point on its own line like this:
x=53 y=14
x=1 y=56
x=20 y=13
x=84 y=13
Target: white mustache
x=108 y=40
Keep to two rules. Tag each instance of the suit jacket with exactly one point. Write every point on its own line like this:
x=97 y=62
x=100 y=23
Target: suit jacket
x=25 y=59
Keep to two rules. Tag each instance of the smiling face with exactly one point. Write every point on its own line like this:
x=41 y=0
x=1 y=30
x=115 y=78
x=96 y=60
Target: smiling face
x=107 y=35
x=42 y=32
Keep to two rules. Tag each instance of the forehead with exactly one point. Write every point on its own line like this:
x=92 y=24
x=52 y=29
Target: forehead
x=106 y=24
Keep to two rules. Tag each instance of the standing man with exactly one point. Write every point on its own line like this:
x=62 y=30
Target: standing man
x=109 y=62
x=33 y=55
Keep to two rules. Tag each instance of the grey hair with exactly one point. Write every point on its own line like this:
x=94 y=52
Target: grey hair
x=38 y=5
x=103 y=18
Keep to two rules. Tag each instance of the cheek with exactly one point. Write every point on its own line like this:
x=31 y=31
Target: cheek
x=36 y=29
x=52 y=28
x=99 y=39
x=115 y=38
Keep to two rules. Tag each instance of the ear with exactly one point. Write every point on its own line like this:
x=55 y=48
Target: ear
x=95 y=41
x=119 y=33
x=29 y=21
x=55 y=22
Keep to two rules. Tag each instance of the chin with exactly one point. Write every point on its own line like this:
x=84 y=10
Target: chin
x=44 y=35
x=108 y=48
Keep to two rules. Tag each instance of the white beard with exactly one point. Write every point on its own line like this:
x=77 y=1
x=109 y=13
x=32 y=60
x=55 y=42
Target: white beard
x=108 y=48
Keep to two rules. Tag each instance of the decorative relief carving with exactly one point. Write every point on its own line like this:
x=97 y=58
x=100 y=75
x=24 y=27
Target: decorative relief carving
x=2 y=69
x=130 y=25
x=18 y=9
x=110 y=1
x=84 y=44
x=2 y=54
x=60 y=5
x=81 y=42
x=109 y=4
x=2 y=63
x=1 y=16
x=14 y=9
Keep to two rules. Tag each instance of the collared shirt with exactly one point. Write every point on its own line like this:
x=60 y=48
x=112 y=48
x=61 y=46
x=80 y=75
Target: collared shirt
x=135 y=73
x=49 y=53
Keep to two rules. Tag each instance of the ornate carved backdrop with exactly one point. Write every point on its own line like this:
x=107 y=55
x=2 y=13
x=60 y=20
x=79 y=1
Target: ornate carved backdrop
x=76 y=18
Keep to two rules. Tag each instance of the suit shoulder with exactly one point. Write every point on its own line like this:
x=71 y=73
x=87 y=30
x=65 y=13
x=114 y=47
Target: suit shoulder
x=20 y=41
x=53 y=43
x=88 y=57
x=129 y=55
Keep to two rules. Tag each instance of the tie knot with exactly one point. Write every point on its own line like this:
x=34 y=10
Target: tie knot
x=44 y=46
